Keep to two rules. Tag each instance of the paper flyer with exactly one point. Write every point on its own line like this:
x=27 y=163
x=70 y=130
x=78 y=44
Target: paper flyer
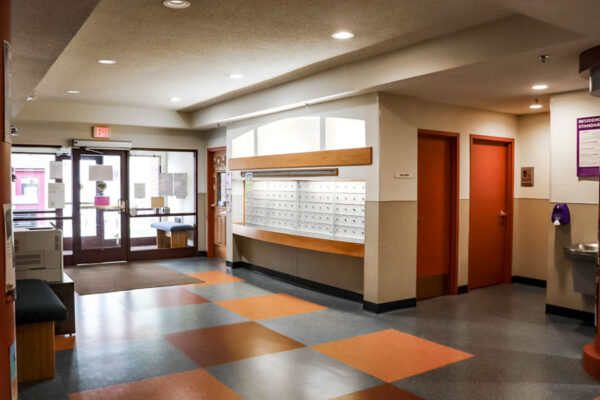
x=56 y=170
x=101 y=173
x=56 y=195
x=139 y=190
x=11 y=280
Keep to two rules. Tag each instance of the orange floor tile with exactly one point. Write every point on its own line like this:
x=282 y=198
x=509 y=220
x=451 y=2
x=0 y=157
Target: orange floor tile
x=228 y=343
x=383 y=392
x=391 y=355
x=147 y=299
x=214 y=278
x=269 y=306
x=191 y=385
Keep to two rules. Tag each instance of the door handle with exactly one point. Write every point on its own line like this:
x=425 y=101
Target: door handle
x=213 y=205
x=503 y=213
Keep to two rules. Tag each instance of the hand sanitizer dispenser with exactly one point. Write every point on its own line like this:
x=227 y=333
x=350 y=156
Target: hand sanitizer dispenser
x=561 y=215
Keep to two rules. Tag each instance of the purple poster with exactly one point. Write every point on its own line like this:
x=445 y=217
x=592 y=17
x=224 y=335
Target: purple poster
x=588 y=146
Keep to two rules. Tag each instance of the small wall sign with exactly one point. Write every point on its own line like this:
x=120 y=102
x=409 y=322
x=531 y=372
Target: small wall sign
x=588 y=146
x=101 y=132
x=527 y=176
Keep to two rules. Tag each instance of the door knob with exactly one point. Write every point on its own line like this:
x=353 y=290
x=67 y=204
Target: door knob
x=213 y=205
x=503 y=213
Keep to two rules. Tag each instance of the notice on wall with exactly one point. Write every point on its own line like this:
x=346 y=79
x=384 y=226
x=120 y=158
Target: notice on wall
x=56 y=195
x=101 y=173
x=9 y=247
x=180 y=185
x=139 y=190
x=7 y=89
x=588 y=146
x=165 y=184
x=56 y=170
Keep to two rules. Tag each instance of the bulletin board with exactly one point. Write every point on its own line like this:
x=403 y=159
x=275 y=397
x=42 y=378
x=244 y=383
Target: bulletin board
x=588 y=146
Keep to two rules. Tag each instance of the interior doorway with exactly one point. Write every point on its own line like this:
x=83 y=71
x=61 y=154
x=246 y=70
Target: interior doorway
x=437 y=230
x=491 y=211
x=217 y=202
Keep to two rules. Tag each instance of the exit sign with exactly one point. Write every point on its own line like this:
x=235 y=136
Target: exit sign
x=100 y=132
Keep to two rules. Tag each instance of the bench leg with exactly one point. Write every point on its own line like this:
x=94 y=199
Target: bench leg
x=35 y=351
x=178 y=239
x=163 y=241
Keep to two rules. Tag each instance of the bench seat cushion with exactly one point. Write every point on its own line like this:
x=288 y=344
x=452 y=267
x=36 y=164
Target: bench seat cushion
x=36 y=302
x=172 y=226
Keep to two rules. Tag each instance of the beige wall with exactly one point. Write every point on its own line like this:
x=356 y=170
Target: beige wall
x=581 y=195
x=63 y=133
x=530 y=239
x=583 y=228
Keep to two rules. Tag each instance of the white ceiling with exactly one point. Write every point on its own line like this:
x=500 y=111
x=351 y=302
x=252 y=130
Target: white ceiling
x=40 y=32
x=189 y=53
x=503 y=85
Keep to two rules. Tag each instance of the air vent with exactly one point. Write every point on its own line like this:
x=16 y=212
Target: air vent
x=286 y=173
x=29 y=259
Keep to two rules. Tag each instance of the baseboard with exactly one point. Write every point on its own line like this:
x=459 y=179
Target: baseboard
x=390 y=306
x=585 y=316
x=202 y=253
x=305 y=283
x=236 y=264
x=529 y=281
x=463 y=289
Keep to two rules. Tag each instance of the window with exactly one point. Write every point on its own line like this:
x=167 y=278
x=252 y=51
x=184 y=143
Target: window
x=170 y=176
x=34 y=169
x=292 y=135
x=344 y=133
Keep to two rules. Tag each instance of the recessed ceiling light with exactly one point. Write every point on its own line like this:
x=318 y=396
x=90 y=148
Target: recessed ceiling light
x=236 y=76
x=177 y=4
x=342 y=35
x=175 y=99
x=539 y=87
x=536 y=105
x=106 y=61
x=73 y=91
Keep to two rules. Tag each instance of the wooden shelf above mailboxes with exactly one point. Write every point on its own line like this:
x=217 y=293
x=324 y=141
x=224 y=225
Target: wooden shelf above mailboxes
x=326 y=158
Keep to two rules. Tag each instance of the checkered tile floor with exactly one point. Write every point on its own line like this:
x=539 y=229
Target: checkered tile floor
x=243 y=335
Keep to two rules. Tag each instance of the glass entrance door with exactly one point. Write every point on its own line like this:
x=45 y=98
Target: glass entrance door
x=100 y=231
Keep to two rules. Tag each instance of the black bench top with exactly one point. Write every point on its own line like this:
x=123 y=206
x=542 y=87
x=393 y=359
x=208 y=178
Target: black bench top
x=36 y=302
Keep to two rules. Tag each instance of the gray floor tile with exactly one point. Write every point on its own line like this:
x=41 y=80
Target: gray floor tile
x=100 y=366
x=228 y=291
x=185 y=318
x=51 y=389
x=292 y=375
x=194 y=265
x=325 y=326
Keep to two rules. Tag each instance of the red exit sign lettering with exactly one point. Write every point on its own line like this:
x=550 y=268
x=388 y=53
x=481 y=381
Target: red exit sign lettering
x=100 y=132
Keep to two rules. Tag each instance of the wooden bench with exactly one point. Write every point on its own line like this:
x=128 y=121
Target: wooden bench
x=36 y=309
x=171 y=235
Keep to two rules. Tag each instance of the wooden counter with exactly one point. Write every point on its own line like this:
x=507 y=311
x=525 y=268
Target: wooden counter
x=301 y=242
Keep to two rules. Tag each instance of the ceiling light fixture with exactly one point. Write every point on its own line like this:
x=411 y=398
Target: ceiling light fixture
x=539 y=87
x=175 y=99
x=536 y=106
x=236 y=76
x=176 y=4
x=73 y=91
x=342 y=35
x=106 y=61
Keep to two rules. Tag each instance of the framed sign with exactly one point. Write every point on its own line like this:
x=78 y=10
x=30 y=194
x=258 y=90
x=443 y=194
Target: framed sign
x=588 y=146
x=7 y=84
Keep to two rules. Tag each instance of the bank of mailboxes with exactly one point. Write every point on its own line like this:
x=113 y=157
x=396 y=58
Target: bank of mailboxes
x=39 y=254
x=334 y=208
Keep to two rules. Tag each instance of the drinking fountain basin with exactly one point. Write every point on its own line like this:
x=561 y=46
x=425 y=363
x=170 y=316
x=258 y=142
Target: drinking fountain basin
x=584 y=261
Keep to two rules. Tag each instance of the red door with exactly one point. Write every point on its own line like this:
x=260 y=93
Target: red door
x=490 y=222
x=436 y=232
